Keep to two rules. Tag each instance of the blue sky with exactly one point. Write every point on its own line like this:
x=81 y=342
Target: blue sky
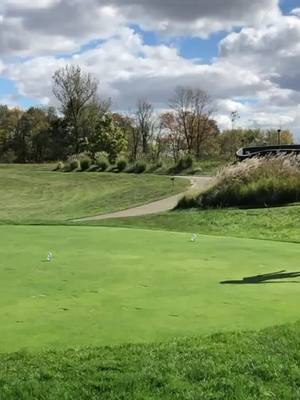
x=189 y=47
x=288 y=5
x=9 y=90
x=146 y=51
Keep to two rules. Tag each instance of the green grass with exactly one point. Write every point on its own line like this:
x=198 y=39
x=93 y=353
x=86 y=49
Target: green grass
x=280 y=223
x=34 y=194
x=153 y=288
x=109 y=286
x=257 y=365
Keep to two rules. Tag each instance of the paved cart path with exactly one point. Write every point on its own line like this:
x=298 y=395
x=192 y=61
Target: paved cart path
x=159 y=206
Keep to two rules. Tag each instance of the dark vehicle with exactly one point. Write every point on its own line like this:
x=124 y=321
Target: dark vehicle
x=261 y=151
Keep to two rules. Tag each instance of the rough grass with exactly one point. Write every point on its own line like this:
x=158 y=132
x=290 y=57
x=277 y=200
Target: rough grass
x=233 y=366
x=255 y=182
x=35 y=194
x=277 y=223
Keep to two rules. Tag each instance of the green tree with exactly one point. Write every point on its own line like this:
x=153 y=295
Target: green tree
x=107 y=137
x=39 y=134
x=9 y=121
x=128 y=127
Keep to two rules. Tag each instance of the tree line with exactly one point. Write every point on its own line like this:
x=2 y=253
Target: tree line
x=83 y=123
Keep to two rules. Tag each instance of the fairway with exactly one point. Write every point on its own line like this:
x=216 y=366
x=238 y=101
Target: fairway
x=112 y=285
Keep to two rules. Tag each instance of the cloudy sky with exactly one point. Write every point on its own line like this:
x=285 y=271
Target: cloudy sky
x=245 y=54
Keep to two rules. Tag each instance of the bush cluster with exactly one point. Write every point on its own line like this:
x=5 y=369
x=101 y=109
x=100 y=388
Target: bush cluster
x=101 y=163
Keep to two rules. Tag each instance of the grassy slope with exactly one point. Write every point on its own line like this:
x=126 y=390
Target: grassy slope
x=282 y=223
x=262 y=366
x=110 y=286
x=34 y=194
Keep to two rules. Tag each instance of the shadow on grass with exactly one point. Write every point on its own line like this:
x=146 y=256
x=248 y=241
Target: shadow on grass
x=273 y=277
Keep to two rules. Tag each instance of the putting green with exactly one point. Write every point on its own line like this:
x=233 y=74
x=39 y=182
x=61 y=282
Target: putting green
x=114 y=285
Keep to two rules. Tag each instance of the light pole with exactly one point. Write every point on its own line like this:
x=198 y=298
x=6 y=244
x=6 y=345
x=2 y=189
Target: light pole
x=234 y=117
x=279 y=137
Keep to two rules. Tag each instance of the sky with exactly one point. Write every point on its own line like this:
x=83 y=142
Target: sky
x=244 y=54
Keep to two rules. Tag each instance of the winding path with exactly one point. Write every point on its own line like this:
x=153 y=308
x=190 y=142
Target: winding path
x=197 y=182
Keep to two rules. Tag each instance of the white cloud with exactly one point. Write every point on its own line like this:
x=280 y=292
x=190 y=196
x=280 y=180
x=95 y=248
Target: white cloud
x=296 y=11
x=127 y=69
x=67 y=24
x=256 y=73
x=271 y=52
x=25 y=4
x=55 y=26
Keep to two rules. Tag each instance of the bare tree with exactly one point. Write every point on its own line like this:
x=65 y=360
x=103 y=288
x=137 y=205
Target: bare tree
x=135 y=142
x=144 y=122
x=172 y=135
x=74 y=89
x=193 y=109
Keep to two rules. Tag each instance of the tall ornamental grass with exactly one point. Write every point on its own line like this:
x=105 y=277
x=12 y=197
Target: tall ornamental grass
x=256 y=182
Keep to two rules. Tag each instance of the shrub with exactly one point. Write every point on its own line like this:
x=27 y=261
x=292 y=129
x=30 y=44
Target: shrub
x=121 y=165
x=185 y=163
x=8 y=157
x=197 y=170
x=182 y=164
x=139 y=167
x=256 y=182
x=85 y=163
x=188 y=162
x=156 y=166
x=102 y=161
x=60 y=166
x=74 y=164
x=102 y=165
